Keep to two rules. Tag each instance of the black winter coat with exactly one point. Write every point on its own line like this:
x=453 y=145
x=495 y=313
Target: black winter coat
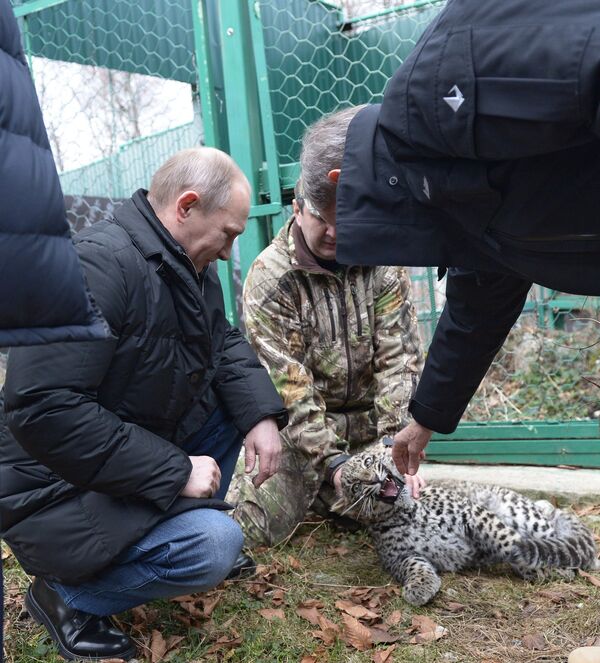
x=43 y=297
x=93 y=461
x=483 y=157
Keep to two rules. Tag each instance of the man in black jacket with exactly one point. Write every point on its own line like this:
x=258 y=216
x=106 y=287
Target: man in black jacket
x=484 y=158
x=116 y=454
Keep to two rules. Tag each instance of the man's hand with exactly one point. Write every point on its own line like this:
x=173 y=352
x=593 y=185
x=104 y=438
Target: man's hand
x=263 y=440
x=414 y=484
x=205 y=478
x=337 y=480
x=409 y=445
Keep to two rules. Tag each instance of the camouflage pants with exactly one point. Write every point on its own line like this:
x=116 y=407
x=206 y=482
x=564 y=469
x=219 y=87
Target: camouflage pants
x=271 y=512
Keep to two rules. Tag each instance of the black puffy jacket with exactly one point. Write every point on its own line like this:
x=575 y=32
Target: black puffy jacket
x=93 y=461
x=43 y=296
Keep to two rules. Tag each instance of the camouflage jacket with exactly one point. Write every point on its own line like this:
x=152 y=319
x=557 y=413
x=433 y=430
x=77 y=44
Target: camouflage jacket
x=342 y=349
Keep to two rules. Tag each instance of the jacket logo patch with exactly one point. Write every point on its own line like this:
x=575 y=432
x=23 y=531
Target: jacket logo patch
x=456 y=100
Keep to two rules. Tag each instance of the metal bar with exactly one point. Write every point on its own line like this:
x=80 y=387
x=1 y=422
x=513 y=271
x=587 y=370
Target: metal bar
x=329 y=5
x=509 y=430
x=520 y=452
x=27 y=45
x=204 y=73
x=264 y=100
x=264 y=210
x=393 y=10
x=34 y=6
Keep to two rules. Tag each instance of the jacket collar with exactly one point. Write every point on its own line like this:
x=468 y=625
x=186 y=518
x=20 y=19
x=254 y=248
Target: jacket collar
x=147 y=232
x=301 y=257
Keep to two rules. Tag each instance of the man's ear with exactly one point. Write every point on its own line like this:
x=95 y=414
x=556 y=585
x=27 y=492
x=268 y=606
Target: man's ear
x=185 y=201
x=295 y=208
x=334 y=175
x=297 y=212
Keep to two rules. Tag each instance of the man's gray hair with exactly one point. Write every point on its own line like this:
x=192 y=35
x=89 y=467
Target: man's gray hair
x=322 y=151
x=205 y=170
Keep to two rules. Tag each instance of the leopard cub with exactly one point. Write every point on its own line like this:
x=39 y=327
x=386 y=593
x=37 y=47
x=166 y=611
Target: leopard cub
x=455 y=526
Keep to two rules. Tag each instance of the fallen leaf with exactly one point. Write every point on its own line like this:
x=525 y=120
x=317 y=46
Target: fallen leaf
x=427 y=630
x=173 y=641
x=382 y=656
x=394 y=618
x=592 y=642
x=294 y=563
x=272 y=613
x=329 y=630
x=422 y=624
x=311 y=603
x=139 y=615
x=224 y=642
x=257 y=589
x=6 y=552
x=158 y=646
x=382 y=636
x=358 y=611
x=455 y=607
x=587 y=510
x=593 y=579
x=310 y=614
x=209 y=603
x=356 y=634
x=327 y=637
x=429 y=636
x=192 y=609
x=342 y=551
x=309 y=659
x=278 y=597
x=534 y=641
x=328 y=625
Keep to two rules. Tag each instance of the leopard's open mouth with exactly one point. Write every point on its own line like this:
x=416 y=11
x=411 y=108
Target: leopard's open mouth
x=390 y=489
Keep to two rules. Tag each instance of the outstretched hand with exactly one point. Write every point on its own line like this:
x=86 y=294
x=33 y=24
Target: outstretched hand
x=409 y=447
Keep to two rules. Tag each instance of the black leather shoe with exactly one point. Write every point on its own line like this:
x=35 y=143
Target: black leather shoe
x=244 y=566
x=78 y=635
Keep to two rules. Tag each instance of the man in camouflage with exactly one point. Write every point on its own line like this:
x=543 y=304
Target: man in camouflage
x=340 y=343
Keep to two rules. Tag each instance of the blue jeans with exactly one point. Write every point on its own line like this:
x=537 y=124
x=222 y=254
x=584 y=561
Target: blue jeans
x=191 y=552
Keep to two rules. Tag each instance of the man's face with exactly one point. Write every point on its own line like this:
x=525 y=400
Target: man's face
x=318 y=228
x=209 y=237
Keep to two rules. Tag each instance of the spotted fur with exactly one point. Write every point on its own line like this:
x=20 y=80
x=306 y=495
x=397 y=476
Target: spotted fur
x=455 y=526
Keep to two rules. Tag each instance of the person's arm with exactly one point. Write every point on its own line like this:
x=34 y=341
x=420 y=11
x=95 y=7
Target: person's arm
x=274 y=329
x=51 y=402
x=398 y=356
x=480 y=310
x=244 y=386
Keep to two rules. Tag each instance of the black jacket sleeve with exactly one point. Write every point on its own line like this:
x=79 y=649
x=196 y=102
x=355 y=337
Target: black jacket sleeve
x=53 y=411
x=244 y=386
x=480 y=310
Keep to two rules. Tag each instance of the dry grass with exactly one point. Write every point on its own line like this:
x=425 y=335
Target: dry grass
x=501 y=617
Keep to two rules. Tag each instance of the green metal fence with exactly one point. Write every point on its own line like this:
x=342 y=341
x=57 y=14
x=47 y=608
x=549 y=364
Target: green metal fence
x=125 y=83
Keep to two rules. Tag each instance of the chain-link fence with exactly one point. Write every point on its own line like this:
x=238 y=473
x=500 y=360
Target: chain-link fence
x=123 y=84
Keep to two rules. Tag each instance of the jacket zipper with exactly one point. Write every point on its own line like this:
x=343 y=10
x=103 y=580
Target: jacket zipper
x=356 y=308
x=330 y=309
x=346 y=339
x=541 y=238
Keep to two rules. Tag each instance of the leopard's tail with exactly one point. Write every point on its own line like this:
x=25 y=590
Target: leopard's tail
x=574 y=549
